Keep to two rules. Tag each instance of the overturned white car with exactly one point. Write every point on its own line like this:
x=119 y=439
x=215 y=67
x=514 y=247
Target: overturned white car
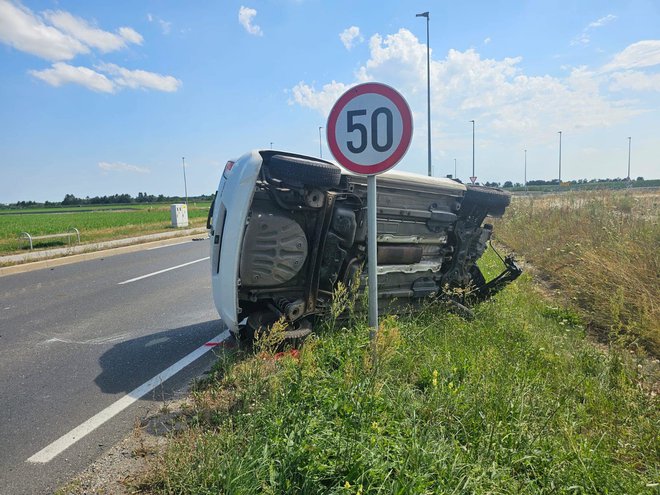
x=286 y=228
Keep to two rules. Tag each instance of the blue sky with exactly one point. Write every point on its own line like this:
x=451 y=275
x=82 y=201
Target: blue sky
x=106 y=97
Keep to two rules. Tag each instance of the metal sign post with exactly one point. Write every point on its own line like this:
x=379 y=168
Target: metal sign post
x=369 y=130
x=372 y=256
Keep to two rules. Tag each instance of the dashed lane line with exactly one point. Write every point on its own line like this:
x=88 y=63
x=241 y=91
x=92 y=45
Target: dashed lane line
x=161 y=271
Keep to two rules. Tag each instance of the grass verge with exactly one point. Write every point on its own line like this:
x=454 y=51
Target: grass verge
x=600 y=251
x=516 y=401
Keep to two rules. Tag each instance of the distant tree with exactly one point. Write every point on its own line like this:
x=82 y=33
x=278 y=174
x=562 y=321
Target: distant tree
x=508 y=183
x=640 y=178
x=70 y=200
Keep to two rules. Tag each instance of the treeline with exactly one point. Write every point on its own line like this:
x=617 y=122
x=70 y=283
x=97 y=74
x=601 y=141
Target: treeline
x=119 y=199
x=555 y=182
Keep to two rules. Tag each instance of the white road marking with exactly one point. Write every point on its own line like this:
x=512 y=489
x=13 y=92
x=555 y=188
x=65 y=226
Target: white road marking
x=168 y=245
x=162 y=271
x=97 y=341
x=65 y=441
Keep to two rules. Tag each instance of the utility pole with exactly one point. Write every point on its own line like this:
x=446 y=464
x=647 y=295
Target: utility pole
x=560 y=158
x=629 y=139
x=428 y=87
x=320 y=147
x=454 y=168
x=185 y=184
x=525 y=170
x=473 y=174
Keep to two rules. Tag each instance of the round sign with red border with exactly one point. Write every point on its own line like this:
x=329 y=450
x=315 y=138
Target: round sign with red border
x=369 y=128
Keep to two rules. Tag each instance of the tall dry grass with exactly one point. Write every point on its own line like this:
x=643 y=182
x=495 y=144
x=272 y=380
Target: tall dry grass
x=600 y=250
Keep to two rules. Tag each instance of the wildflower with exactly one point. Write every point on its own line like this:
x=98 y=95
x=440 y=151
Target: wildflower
x=347 y=484
x=435 y=378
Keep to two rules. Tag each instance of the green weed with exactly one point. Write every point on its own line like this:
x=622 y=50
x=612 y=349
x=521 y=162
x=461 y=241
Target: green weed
x=515 y=401
x=599 y=251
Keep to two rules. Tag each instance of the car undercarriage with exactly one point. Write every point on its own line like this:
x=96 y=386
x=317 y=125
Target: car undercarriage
x=305 y=233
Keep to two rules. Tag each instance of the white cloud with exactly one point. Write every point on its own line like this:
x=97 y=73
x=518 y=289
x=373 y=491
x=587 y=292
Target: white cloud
x=165 y=26
x=140 y=78
x=25 y=31
x=323 y=100
x=90 y=35
x=641 y=54
x=245 y=17
x=584 y=38
x=122 y=167
x=349 y=35
x=113 y=79
x=465 y=86
x=635 y=80
x=62 y=73
x=602 y=21
x=487 y=41
x=57 y=35
x=130 y=35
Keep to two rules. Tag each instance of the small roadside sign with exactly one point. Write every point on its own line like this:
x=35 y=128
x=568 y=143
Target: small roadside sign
x=369 y=130
x=473 y=179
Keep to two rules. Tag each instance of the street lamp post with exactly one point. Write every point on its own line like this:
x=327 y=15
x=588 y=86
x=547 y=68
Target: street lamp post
x=428 y=86
x=473 y=174
x=560 y=158
x=525 y=170
x=320 y=147
x=185 y=184
x=629 y=140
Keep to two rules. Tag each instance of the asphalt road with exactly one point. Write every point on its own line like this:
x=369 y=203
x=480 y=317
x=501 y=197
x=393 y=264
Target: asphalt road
x=77 y=338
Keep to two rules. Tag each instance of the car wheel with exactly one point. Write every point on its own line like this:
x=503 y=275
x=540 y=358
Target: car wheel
x=494 y=200
x=302 y=171
x=487 y=196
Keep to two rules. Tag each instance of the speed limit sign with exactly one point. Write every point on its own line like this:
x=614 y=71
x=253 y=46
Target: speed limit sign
x=369 y=128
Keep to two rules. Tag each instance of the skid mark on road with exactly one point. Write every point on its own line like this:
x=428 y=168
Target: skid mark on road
x=65 y=441
x=161 y=271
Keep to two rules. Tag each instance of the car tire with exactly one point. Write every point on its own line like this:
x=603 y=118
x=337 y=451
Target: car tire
x=487 y=196
x=494 y=200
x=302 y=171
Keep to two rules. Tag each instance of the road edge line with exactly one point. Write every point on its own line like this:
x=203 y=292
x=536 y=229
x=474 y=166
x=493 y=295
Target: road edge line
x=52 y=450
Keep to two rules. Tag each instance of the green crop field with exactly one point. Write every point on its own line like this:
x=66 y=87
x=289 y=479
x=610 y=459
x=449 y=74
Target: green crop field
x=94 y=223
